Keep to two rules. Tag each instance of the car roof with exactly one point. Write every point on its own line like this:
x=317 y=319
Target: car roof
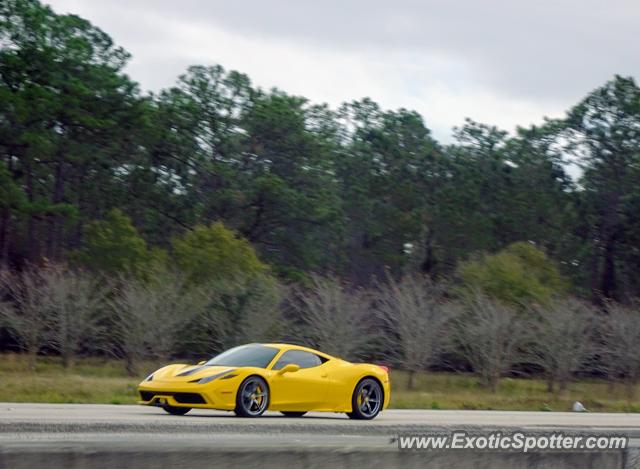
x=298 y=347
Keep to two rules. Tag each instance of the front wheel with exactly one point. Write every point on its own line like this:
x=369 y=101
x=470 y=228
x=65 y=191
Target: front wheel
x=367 y=400
x=252 y=398
x=176 y=410
x=292 y=414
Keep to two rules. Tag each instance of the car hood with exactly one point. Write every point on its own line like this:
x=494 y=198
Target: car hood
x=184 y=373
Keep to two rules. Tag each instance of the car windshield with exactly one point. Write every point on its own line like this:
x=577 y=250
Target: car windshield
x=255 y=355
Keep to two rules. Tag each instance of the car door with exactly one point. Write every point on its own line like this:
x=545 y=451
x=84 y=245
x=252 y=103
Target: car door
x=305 y=389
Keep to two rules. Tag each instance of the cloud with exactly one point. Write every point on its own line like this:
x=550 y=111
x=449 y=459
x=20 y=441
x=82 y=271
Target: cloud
x=497 y=61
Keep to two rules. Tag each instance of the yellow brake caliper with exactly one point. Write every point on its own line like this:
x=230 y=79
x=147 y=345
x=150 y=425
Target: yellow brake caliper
x=259 y=391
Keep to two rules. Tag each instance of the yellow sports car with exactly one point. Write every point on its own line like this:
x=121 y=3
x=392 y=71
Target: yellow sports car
x=253 y=378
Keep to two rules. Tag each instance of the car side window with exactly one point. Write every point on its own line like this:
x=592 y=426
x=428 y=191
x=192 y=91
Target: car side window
x=298 y=357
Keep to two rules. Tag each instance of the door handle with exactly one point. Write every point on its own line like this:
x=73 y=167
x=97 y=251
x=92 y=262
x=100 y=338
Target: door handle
x=323 y=375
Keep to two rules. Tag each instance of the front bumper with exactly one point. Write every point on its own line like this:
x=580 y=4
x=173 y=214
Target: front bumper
x=159 y=393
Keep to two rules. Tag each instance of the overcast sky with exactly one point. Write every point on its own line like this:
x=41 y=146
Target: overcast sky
x=505 y=62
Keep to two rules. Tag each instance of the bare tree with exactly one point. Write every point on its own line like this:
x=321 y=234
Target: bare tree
x=52 y=306
x=22 y=303
x=334 y=318
x=73 y=303
x=563 y=339
x=150 y=314
x=490 y=336
x=621 y=343
x=245 y=310
x=413 y=314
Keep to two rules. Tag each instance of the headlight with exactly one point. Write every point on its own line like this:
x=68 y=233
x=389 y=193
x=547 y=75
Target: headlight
x=208 y=379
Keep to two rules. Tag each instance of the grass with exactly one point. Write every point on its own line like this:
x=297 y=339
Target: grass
x=91 y=380
x=462 y=391
x=101 y=381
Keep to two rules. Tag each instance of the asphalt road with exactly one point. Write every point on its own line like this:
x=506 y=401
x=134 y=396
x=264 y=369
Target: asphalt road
x=123 y=436
x=85 y=418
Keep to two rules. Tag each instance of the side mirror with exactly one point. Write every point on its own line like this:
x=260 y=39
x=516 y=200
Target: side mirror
x=290 y=368
x=202 y=362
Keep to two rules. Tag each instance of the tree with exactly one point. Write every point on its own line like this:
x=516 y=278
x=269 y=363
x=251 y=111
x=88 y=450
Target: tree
x=520 y=274
x=563 y=339
x=53 y=307
x=494 y=189
x=603 y=132
x=332 y=317
x=67 y=125
x=73 y=307
x=22 y=310
x=490 y=336
x=414 y=313
x=241 y=309
x=113 y=246
x=195 y=143
x=13 y=203
x=258 y=161
x=621 y=351
x=149 y=315
x=292 y=197
x=214 y=252
x=388 y=167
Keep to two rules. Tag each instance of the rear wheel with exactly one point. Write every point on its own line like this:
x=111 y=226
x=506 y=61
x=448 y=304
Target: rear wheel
x=252 y=398
x=176 y=410
x=367 y=400
x=293 y=414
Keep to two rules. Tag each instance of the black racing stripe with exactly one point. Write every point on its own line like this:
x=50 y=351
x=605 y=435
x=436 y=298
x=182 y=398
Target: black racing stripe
x=190 y=372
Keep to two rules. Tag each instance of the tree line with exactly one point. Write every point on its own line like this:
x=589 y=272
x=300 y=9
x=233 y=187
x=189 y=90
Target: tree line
x=352 y=191
x=412 y=323
x=219 y=212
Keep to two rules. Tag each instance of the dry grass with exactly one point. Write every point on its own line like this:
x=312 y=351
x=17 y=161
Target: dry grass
x=461 y=391
x=89 y=381
x=102 y=381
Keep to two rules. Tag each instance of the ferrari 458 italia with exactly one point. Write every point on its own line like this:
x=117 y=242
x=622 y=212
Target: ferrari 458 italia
x=253 y=378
